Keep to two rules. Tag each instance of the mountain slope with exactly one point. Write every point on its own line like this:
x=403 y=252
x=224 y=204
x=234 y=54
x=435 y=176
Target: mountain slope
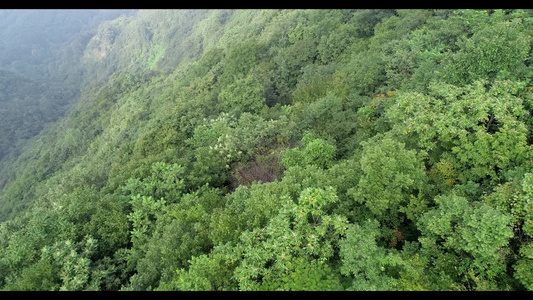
x=41 y=73
x=284 y=150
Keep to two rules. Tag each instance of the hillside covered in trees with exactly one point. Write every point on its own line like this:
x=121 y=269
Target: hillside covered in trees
x=225 y=150
x=40 y=70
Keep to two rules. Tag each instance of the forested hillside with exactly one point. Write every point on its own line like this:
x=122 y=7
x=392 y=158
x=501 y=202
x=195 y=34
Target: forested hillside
x=40 y=69
x=281 y=150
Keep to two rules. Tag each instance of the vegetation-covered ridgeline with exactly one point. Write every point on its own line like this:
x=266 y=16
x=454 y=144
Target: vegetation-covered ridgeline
x=284 y=150
x=40 y=70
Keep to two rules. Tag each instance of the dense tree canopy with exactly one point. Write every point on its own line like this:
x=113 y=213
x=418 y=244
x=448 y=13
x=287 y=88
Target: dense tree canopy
x=268 y=150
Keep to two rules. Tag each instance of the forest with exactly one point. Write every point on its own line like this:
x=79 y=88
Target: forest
x=266 y=150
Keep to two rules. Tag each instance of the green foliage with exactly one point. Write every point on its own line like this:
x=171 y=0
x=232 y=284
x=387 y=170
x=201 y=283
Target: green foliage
x=521 y=210
x=269 y=257
x=365 y=261
x=144 y=209
x=72 y=262
x=365 y=71
x=330 y=117
x=283 y=249
x=315 y=152
x=240 y=59
x=181 y=231
x=304 y=150
x=476 y=233
x=482 y=136
x=390 y=174
x=243 y=95
x=164 y=182
x=109 y=224
x=491 y=51
x=27 y=108
x=304 y=276
x=205 y=274
x=38 y=277
x=524 y=266
x=221 y=142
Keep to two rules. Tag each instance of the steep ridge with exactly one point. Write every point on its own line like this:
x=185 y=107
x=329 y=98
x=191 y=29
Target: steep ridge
x=284 y=150
x=40 y=53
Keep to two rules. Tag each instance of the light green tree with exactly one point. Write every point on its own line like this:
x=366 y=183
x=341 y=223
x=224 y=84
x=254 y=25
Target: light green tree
x=474 y=234
x=390 y=175
x=73 y=262
x=365 y=262
x=479 y=131
x=290 y=253
x=314 y=151
x=242 y=95
x=522 y=208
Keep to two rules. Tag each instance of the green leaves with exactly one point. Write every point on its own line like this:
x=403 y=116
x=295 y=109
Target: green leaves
x=205 y=274
x=498 y=49
x=299 y=237
x=315 y=152
x=182 y=230
x=304 y=276
x=364 y=261
x=485 y=232
x=270 y=252
x=243 y=95
x=521 y=208
x=479 y=230
x=165 y=181
x=73 y=262
x=282 y=150
x=390 y=173
x=225 y=140
x=524 y=267
x=482 y=129
x=144 y=211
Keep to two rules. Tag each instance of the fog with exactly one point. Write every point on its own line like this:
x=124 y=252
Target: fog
x=40 y=69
